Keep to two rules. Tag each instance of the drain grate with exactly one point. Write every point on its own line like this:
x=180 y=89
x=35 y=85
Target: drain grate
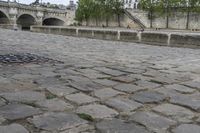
x=25 y=58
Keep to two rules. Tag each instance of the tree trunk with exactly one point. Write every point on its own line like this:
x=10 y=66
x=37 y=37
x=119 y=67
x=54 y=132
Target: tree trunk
x=118 y=19
x=87 y=22
x=188 y=19
x=151 y=18
x=96 y=21
x=107 y=22
x=167 y=17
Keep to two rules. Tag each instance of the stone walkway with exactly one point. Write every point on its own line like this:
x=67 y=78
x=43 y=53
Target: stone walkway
x=101 y=86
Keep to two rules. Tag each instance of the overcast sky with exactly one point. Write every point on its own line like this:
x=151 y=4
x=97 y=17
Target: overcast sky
x=65 y=2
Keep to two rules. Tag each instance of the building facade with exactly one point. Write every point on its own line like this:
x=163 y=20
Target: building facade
x=131 y=4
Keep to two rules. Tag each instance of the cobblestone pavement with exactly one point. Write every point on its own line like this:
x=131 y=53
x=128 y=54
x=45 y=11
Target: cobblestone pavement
x=101 y=86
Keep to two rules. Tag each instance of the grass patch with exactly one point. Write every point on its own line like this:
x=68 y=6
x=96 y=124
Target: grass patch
x=86 y=117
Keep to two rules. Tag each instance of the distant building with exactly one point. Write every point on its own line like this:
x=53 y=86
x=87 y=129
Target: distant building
x=132 y=4
x=72 y=5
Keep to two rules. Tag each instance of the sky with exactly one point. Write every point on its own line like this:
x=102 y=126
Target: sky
x=64 y=2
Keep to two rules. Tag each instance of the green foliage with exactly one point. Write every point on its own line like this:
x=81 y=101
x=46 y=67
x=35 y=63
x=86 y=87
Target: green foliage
x=166 y=7
x=98 y=9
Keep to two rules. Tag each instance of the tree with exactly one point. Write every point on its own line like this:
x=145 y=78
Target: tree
x=118 y=9
x=84 y=10
x=165 y=7
x=190 y=6
x=148 y=5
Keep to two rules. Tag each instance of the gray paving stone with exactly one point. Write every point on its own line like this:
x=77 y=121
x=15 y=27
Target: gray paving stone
x=198 y=120
x=181 y=88
x=118 y=126
x=123 y=105
x=13 y=128
x=97 y=111
x=105 y=82
x=2 y=119
x=148 y=97
x=152 y=121
x=2 y=102
x=54 y=105
x=193 y=84
x=92 y=74
x=86 y=86
x=18 y=111
x=163 y=80
x=24 y=96
x=57 y=121
x=187 y=128
x=106 y=93
x=61 y=91
x=129 y=88
x=108 y=71
x=124 y=79
x=146 y=84
x=176 y=112
x=187 y=101
x=80 y=98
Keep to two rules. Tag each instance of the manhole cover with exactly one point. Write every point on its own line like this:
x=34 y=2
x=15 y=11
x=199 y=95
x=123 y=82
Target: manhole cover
x=25 y=58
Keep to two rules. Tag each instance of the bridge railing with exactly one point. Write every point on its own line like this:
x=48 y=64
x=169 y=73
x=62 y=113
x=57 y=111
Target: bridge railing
x=32 y=7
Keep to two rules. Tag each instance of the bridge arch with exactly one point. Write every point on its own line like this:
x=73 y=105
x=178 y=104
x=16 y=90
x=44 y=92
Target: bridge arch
x=4 y=18
x=25 y=21
x=53 y=21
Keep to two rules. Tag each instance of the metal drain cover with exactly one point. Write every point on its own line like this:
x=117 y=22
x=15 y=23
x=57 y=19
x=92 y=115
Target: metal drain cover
x=25 y=58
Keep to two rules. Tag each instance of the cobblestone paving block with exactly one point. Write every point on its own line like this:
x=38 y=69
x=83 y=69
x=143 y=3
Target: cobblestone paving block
x=18 y=111
x=148 y=97
x=123 y=105
x=24 y=96
x=187 y=128
x=118 y=126
x=92 y=74
x=54 y=105
x=105 y=82
x=192 y=84
x=177 y=112
x=97 y=111
x=153 y=73
x=2 y=102
x=80 y=98
x=128 y=88
x=106 y=93
x=57 y=121
x=124 y=79
x=180 y=88
x=86 y=86
x=152 y=121
x=61 y=91
x=163 y=80
x=146 y=84
x=13 y=128
x=110 y=71
x=129 y=69
x=187 y=101
x=25 y=77
x=49 y=81
x=2 y=120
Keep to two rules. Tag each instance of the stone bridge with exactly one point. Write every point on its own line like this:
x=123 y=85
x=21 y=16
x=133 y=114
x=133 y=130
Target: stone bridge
x=23 y=16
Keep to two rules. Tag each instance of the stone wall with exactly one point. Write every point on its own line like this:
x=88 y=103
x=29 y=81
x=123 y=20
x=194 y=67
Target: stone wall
x=176 y=39
x=177 y=20
x=125 y=21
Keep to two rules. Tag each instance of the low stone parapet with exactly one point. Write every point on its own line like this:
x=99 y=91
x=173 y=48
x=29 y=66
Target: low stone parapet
x=105 y=35
x=185 y=40
x=174 y=39
x=128 y=36
x=154 y=38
